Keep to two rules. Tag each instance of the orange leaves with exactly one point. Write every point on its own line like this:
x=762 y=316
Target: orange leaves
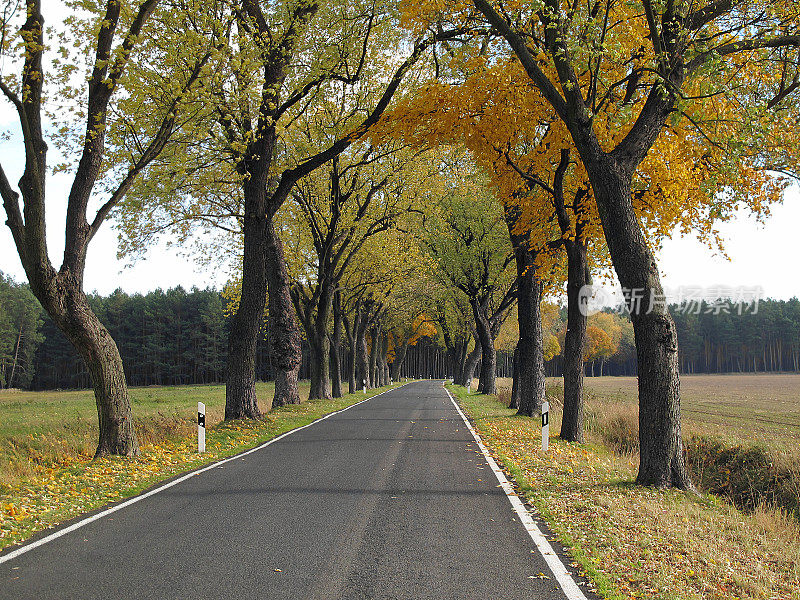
x=599 y=343
x=422 y=327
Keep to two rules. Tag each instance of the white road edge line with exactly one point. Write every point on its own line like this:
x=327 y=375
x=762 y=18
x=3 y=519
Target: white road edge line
x=60 y=532
x=558 y=568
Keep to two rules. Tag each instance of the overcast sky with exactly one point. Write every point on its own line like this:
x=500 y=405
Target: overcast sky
x=760 y=255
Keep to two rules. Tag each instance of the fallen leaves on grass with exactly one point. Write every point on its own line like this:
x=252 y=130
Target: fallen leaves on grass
x=639 y=542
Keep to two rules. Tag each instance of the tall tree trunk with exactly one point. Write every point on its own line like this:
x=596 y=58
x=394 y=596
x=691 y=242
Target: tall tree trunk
x=284 y=333
x=531 y=346
x=515 y=387
x=574 y=343
x=320 y=367
x=459 y=362
x=362 y=357
x=351 y=331
x=373 y=358
x=399 y=359
x=486 y=336
x=240 y=382
x=472 y=360
x=70 y=310
x=662 y=462
x=314 y=311
x=352 y=350
x=384 y=349
x=336 y=347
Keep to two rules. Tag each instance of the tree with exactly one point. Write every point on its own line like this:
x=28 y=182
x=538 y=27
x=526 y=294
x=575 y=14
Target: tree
x=467 y=238
x=112 y=35
x=515 y=141
x=274 y=74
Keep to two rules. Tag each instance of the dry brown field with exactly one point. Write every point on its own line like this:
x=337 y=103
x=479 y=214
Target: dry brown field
x=763 y=408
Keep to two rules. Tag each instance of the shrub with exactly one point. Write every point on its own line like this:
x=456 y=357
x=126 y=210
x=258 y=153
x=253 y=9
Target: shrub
x=749 y=476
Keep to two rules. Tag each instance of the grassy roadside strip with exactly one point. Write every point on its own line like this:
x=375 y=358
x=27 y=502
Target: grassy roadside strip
x=638 y=542
x=60 y=494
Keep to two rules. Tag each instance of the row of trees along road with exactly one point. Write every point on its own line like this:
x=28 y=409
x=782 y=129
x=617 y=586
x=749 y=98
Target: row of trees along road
x=191 y=94
x=179 y=337
x=577 y=125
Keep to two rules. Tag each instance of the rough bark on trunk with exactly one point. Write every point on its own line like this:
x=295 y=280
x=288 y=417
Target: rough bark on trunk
x=70 y=310
x=240 y=380
x=472 y=360
x=531 y=349
x=284 y=333
x=574 y=343
x=362 y=358
x=488 y=377
x=102 y=358
x=661 y=457
x=531 y=378
x=286 y=386
x=320 y=368
x=459 y=358
x=514 y=403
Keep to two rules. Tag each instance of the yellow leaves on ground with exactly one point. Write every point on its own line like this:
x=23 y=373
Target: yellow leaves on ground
x=638 y=542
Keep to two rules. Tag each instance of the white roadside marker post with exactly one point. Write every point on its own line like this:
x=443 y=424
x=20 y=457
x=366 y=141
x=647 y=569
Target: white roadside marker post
x=201 y=427
x=545 y=425
x=364 y=382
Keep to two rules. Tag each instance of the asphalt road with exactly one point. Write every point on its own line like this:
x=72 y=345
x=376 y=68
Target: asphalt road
x=389 y=499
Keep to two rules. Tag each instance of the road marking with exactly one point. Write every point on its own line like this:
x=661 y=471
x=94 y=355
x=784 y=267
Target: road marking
x=558 y=568
x=57 y=534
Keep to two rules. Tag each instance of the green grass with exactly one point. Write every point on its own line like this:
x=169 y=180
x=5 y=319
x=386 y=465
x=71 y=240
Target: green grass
x=50 y=429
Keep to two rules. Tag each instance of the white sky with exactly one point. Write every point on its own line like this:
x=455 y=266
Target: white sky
x=760 y=255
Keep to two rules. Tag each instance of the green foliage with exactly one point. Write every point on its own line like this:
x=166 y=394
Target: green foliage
x=466 y=235
x=164 y=338
x=714 y=338
x=306 y=86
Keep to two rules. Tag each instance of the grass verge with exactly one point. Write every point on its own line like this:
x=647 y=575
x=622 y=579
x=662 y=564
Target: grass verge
x=636 y=542
x=71 y=485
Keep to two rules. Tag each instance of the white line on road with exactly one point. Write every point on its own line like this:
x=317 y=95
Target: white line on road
x=57 y=534
x=559 y=569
